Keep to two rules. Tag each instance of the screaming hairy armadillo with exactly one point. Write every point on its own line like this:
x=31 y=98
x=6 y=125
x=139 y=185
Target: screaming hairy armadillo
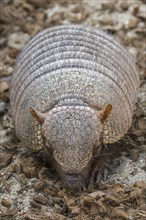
x=73 y=88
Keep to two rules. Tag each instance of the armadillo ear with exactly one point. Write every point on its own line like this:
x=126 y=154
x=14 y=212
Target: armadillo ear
x=40 y=117
x=104 y=113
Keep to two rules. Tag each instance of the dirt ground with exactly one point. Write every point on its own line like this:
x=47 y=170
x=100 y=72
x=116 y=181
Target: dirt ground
x=29 y=190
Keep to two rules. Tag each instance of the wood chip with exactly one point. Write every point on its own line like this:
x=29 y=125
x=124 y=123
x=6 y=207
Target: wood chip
x=35 y=204
x=5 y=159
x=40 y=185
x=40 y=199
x=117 y=213
x=58 y=217
x=5 y=202
x=30 y=172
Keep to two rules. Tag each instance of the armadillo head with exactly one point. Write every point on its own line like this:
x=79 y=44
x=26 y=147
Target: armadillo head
x=72 y=133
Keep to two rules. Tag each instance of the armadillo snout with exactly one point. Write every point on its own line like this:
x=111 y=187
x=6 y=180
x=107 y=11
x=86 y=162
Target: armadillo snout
x=73 y=182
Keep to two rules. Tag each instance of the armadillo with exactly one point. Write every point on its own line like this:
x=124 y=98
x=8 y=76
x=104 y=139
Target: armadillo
x=73 y=88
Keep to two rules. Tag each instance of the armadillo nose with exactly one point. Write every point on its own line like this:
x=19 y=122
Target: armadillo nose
x=73 y=182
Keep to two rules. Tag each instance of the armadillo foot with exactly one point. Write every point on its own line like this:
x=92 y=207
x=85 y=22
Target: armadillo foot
x=99 y=174
x=102 y=175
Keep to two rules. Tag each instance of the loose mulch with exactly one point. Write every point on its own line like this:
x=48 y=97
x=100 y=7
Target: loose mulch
x=30 y=190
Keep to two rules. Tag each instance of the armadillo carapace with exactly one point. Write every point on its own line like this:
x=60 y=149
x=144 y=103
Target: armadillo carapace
x=73 y=88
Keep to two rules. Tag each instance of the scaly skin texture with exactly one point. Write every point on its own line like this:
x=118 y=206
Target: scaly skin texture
x=67 y=75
